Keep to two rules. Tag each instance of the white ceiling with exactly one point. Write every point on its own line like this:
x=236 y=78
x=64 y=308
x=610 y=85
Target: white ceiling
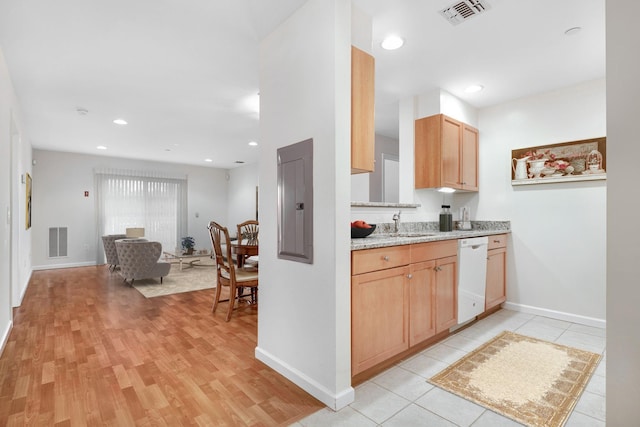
x=184 y=73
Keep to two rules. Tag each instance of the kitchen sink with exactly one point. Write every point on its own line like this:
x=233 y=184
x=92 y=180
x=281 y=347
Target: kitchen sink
x=413 y=234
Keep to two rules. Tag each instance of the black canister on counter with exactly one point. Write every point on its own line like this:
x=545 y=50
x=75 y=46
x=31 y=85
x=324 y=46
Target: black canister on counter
x=446 y=219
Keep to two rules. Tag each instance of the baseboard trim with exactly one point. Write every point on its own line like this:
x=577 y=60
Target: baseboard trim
x=5 y=336
x=333 y=401
x=554 y=314
x=18 y=303
x=70 y=265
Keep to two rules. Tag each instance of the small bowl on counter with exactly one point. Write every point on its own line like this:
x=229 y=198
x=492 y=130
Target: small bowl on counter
x=359 y=233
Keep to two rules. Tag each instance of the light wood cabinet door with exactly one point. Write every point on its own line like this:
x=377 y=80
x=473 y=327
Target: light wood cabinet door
x=446 y=293
x=469 y=156
x=446 y=153
x=379 y=316
x=421 y=302
x=451 y=152
x=369 y=260
x=362 y=111
x=496 y=290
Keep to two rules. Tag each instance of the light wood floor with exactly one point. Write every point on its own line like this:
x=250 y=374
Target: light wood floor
x=86 y=349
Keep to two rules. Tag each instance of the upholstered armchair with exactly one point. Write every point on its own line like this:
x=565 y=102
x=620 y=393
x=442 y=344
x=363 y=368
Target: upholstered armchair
x=140 y=259
x=109 y=244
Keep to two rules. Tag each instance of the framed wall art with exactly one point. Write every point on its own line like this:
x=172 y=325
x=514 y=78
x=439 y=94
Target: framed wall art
x=583 y=160
x=28 y=210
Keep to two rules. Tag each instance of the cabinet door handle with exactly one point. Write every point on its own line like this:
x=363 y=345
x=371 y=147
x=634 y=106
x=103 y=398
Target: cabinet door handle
x=496 y=241
x=386 y=258
x=437 y=268
x=409 y=276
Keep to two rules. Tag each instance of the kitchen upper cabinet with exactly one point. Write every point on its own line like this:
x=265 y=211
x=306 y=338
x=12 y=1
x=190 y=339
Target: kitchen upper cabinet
x=496 y=290
x=446 y=153
x=362 y=111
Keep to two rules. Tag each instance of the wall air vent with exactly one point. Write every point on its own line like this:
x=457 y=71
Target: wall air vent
x=463 y=10
x=57 y=242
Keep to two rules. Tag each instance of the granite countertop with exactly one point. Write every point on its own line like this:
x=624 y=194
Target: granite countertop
x=426 y=232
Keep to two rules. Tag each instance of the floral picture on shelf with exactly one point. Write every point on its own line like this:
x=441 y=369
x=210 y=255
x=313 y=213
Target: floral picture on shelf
x=567 y=161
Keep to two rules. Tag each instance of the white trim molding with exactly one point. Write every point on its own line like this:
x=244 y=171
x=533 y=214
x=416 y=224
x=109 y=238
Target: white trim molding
x=333 y=401
x=559 y=315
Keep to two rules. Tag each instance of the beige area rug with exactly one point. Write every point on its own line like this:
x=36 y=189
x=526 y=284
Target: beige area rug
x=201 y=275
x=534 y=382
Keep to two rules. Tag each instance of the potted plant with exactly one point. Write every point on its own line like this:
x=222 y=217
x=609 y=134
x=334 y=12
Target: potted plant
x=188 y=243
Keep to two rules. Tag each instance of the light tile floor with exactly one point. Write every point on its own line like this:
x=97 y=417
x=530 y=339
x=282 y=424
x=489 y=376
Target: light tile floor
x=401 y=396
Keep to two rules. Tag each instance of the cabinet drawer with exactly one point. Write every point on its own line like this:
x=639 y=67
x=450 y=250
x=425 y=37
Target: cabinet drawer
x=433 y=250
x=379 y=259
x=497 y=241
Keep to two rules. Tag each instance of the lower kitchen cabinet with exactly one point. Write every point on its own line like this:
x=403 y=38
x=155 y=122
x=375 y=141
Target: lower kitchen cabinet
x=496 y=290
x=446 y=293
x=421 y=301
x=433 y=298
x=400 y=297
x=379 y=316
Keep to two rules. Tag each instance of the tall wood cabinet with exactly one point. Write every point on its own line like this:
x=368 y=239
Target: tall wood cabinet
x=446 y=153
x=496 y=290
x=362 y=111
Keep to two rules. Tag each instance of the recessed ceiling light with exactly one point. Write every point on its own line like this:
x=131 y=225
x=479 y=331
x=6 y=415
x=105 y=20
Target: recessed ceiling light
x=473 y=88
x=572 y=31
x=392 y=42
x=101 y=147
x=253 y=143
x=208 y=160
x=82 y=111
x=120 y=122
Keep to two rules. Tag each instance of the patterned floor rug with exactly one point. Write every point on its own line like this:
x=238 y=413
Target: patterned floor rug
x=201 y=275
x=534 y=382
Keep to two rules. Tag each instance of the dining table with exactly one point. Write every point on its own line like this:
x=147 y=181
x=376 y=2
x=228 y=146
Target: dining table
x=242 y=252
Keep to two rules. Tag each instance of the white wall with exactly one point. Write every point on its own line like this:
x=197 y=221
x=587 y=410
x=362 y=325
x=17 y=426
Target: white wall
x=623 y=152
x=304 y=317
x=59 y=182
x=15 y=240
x=557 y=249
x=6 y=100
x=384 y=145
x=241 y=198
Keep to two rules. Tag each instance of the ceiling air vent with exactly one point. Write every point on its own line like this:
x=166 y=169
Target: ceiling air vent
x=464 y=10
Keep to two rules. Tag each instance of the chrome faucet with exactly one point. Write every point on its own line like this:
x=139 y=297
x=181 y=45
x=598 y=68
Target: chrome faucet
x=396 y=220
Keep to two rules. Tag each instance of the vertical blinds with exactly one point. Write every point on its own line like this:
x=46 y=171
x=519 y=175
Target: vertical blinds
x=156 y=202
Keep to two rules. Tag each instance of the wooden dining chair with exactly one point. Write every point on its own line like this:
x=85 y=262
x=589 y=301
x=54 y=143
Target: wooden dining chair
x=226 y=271
x=248 y=232
x=248 y=235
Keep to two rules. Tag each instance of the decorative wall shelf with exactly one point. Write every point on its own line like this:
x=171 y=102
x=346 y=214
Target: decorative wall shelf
x=584 y=160
x=557 y=179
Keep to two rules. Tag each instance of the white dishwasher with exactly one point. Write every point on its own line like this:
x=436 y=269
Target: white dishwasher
x=472 y=277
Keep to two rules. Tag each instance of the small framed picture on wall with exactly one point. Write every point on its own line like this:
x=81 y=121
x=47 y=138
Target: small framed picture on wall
x=28 y=210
